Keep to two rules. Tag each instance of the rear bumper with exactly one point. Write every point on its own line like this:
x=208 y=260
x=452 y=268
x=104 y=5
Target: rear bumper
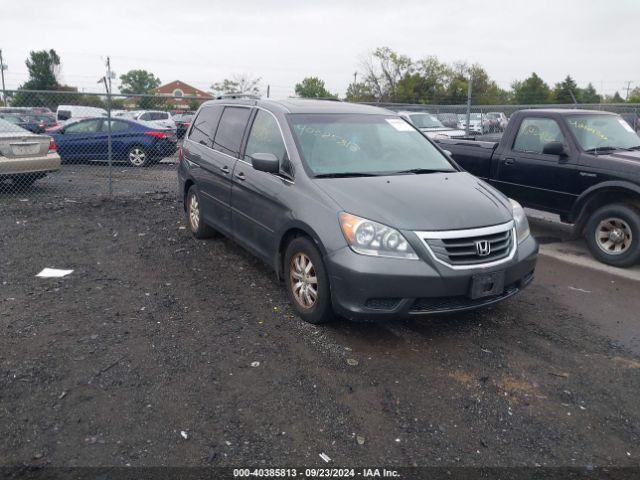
x=370 y=288
x=164 y=149
x=26 y=165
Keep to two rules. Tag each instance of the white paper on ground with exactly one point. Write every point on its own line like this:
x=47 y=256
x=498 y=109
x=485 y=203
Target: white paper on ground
x=53 y=273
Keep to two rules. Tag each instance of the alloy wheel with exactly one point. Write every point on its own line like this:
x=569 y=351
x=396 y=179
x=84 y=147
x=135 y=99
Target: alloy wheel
x=304 y=284
x=613 y=236
x=194 y=213
x=137 y=156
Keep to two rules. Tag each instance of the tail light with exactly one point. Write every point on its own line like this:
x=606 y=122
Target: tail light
x=158 y=135
x=52 y=145
x=180 y=155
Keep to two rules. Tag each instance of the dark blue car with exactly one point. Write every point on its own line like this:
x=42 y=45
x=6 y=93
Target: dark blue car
x=131 y=142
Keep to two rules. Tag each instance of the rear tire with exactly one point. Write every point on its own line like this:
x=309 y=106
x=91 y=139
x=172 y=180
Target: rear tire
x=195 y=220
x=613 y=234
x=138 y=157
x=307 y=281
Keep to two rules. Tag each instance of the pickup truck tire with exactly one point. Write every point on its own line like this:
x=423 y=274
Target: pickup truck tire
x=613 y=234
x=195 y=220
x=307 y=281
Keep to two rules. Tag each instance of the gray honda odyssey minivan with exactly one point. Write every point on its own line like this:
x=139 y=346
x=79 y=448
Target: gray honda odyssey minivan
x=356 y=210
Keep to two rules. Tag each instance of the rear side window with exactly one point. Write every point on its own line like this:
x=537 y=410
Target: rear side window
x=265 y=137
x=231 y=129
x=534 y=133
x=116 y=126
x=204 y=125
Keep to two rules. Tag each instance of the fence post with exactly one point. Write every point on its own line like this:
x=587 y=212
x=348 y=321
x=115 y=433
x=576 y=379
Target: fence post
x=109 y=149
x=468 y=106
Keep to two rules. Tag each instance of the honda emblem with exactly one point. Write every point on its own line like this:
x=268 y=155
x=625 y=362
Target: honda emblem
x=483 y=248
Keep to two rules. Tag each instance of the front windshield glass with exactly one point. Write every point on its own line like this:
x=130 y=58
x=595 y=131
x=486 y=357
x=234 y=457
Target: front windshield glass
x=424 y=120
x=602 y=131
x=365 y=144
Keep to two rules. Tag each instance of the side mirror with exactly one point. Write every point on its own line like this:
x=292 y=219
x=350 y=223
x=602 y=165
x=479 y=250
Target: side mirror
x=265 y=162
x=554 y=148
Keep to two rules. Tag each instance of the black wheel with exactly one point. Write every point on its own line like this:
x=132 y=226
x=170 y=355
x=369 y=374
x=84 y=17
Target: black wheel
x=613 y=234
x=195 y=220
x=307 y=281
x=138 y=157
x=24 y=181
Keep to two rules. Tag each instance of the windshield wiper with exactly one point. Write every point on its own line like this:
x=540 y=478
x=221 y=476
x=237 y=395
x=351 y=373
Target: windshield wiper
x=418 y=171
x=345 y=174
x=606 y=148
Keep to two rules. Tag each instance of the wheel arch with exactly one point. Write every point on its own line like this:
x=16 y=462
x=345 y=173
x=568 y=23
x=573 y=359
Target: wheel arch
x=293 y=230
x=600 y=195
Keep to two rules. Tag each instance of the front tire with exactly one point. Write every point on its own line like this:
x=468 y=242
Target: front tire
x=613 y=235
x=307 y=281
x=195 y=220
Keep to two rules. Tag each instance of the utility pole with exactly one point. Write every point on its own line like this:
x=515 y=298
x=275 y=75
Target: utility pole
x=4 y=91
x=628 y=88
x=355 y=77
x=469 y=90
x=268 y=90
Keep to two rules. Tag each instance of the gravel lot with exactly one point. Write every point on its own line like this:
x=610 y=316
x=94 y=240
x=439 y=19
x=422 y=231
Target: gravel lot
x=163 y=350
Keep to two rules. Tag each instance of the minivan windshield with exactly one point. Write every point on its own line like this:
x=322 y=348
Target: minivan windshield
x=603 y=132
x=360 y=144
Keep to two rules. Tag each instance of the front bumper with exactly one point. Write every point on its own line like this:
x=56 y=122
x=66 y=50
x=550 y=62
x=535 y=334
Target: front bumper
x=369 y=288
x=10 y=166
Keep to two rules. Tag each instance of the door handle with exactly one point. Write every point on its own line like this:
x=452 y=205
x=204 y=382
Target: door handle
x=509 y=161
x=225 y=169
x=240 y=176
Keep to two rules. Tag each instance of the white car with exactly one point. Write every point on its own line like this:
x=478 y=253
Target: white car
x=67 y=112
x=153 y=118
x=475 y=123
x=430 y=125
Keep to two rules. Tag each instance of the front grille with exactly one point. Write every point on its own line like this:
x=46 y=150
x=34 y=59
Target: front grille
x=382 y=303
x=471 y=247
x=444 y=304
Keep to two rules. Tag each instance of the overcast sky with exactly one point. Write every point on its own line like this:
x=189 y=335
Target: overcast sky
x=283 y=41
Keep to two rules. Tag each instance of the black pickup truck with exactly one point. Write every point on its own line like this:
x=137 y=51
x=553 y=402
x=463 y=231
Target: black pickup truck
x=583 y=165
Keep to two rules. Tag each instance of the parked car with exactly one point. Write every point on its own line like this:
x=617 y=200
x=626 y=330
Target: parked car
x=131 y=142
x=493 y=122
x=67 y=112
x=430 y=125
x=27 y=122
x=154 y=118
x=475 y=123
x=582 y=165
x=25 y=156
x=353 y=207
x=449 y=120
x=183 y=120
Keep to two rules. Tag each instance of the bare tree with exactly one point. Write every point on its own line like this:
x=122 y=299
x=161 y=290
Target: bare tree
x=242 y=84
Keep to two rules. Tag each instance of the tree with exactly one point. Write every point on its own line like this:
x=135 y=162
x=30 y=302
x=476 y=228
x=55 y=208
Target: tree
x=566 y=91
x=634 y=96
x=615 y=98
x=359 y=92
x=238 y=84
x=383 y=70
x=589 y=94
x=44 y=68
x=138 y=82
x=531 y=91
x=313 y=87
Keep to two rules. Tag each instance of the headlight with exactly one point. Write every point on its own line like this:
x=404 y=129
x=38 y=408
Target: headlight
x=372 y=238
x=522 y=224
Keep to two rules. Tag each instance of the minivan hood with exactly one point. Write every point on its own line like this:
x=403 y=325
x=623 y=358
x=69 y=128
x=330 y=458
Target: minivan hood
x=435 y=201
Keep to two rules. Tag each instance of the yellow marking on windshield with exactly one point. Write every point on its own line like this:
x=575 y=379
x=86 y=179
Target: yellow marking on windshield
x=341 y=141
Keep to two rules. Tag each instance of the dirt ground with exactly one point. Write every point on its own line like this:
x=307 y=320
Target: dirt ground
x=163 y=350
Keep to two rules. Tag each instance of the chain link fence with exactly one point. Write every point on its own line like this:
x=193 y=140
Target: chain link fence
x=67 y=144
